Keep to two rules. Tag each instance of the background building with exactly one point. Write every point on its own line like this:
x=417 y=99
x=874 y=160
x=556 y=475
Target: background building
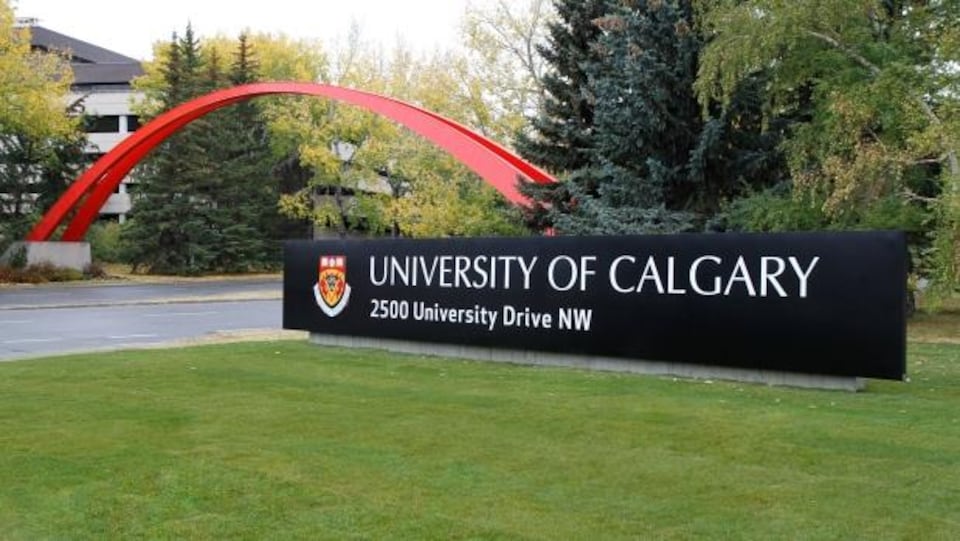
x=102 y=80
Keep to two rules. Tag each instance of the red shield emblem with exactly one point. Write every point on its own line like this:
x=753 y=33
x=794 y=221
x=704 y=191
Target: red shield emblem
x=332 y=292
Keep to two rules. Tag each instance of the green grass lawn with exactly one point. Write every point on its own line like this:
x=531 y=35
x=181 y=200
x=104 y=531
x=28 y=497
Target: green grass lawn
x=288 y=441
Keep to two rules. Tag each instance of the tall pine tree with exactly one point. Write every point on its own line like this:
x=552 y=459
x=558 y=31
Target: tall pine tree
x=561 y=136
x=646 y=121
x=248 y=221
x=208 y=196
x=34 y=173
x=170 y=231
x=645 y=160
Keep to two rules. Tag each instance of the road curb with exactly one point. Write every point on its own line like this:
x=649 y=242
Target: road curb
x=217 y=338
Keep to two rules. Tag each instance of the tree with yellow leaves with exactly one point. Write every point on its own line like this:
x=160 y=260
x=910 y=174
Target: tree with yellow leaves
x=390 y=180
x=41 y=145
x=34 y=85
x=875 y=86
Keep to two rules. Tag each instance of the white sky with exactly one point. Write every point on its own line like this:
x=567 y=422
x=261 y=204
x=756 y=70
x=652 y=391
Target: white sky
x=130 y=27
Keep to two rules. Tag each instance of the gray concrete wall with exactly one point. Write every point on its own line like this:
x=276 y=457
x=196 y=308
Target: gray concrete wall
x=72 y=255
x=538 y=358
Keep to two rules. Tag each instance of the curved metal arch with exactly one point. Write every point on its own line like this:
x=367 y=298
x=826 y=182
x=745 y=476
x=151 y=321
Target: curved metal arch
x=492 y=162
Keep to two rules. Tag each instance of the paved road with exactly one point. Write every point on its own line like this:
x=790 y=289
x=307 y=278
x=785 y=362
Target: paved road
x=59 y=319
x=111 y=294
x=42 y=331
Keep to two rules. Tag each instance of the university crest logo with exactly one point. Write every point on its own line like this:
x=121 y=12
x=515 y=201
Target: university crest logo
x=332 y=291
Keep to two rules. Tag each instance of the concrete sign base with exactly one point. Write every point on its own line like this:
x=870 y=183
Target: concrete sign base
x=538 y=358
x=71 y=255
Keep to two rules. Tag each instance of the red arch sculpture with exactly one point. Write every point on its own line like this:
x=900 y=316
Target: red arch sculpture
x=492 y=162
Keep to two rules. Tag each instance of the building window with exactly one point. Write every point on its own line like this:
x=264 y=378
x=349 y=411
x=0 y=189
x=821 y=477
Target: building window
x=133 y=123
x=103 y=124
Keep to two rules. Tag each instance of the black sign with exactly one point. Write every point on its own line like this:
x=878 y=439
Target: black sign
x=823 y=303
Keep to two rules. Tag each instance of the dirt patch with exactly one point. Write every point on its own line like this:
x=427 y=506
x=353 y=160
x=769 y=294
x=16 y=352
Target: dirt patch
x=242 y=335
x=122 y=273
x=943 y=327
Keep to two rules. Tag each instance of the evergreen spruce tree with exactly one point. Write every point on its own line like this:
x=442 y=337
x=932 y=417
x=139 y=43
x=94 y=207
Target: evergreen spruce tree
x=646 y=121
x=561 y=134
x=248 y=196
x=645 y=160
x=170 y=230
x=34 y=173
x=738 y=153
x=208 y=196
x=561 y=138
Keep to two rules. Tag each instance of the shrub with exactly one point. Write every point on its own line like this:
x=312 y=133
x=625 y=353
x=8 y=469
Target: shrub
x=105 y=243
x=94 y=271
x=18 y=259
x=38 y=274
x=774 y=210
